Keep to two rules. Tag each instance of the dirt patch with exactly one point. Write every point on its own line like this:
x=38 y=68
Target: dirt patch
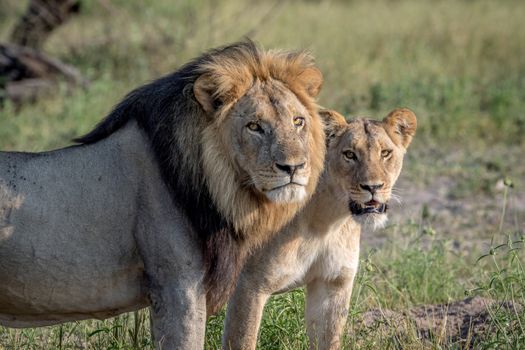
x=470 y=220
x=460 y=323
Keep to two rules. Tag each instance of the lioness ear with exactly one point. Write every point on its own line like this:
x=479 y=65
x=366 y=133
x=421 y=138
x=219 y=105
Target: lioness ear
x=203 y=89
x=401 y=125
x=333 y=122
x=312 y=80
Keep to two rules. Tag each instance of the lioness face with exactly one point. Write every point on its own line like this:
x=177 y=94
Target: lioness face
x=365 y=160
x=270 y=141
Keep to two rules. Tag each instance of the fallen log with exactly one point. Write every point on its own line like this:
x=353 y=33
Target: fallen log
x=25 y=73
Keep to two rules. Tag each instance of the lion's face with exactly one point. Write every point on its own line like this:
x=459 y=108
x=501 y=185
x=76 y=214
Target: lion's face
x=365 y=158
x=270 y=141
x=263 y=144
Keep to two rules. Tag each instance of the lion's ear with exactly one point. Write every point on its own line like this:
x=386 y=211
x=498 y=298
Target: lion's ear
x=312 y=80
x=401 y=125
x=333 y=121
x=204 y=90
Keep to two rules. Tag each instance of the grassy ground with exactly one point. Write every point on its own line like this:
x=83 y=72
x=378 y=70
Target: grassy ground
x=458 y=64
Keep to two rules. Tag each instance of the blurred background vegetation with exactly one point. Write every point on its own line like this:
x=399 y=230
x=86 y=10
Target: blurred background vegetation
x=459 y=64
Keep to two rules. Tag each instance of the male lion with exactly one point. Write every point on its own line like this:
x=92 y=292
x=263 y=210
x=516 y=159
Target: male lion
x=159 y=203
x=320 y=247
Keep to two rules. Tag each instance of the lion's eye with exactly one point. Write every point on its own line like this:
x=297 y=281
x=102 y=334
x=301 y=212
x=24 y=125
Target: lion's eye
x=386 y=153
x=254 y=126
x=298 y=121
x=349 y=155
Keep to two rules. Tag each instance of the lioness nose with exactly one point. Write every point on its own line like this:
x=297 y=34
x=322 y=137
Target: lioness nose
x=371 y=188
x=288 y=168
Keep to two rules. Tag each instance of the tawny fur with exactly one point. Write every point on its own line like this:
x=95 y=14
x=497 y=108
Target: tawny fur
x=232 y=76
x=320 y=247
x=247 y=76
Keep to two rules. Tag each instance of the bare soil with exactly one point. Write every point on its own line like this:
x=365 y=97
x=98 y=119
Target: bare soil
x=460 y=323
x=460 y=200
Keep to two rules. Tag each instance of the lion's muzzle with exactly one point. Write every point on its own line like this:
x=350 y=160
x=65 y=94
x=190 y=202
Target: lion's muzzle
x=288 y=193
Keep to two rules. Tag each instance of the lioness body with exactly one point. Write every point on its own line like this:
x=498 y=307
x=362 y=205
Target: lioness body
x=323 y=255
x=320 y=247
x=163 y=199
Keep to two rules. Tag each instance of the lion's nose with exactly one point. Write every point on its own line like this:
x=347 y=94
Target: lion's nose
x=371 y=188
x=289 y=168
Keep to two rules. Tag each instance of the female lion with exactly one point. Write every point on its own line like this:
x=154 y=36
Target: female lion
x=320 y=247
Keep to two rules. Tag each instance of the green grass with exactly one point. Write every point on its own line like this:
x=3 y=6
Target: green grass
x=458 y=64
x=504 y=279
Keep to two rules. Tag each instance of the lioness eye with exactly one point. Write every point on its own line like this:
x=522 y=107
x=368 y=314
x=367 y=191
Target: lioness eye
x=253 y=126
x=349 y=155
x=298 y=121
x=386 y=153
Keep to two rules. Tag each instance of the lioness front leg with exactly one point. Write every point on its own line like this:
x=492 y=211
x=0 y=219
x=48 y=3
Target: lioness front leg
x=326 y=312
x=243 y=317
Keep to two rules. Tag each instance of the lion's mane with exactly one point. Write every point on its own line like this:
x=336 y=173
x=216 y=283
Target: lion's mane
x=229 y=218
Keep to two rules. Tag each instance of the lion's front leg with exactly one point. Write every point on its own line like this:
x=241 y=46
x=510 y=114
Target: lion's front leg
x=178 y=315
x=173 y=283
x=326 y=312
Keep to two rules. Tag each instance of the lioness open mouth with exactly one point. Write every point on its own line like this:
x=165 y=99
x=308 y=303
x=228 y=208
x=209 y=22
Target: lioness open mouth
x=371 y=207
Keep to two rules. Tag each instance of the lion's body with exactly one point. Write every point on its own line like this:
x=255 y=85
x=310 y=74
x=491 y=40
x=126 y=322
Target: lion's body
x=320 y=247
x=161 y=202
x=65 y=265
